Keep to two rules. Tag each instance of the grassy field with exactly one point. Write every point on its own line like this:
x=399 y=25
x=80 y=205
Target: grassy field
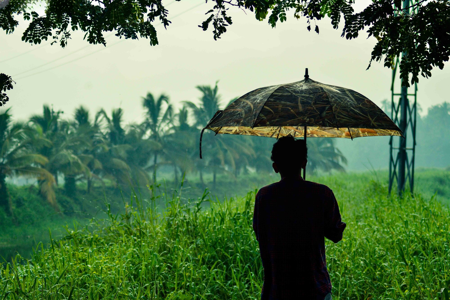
x=34 y=218
x=393 y=248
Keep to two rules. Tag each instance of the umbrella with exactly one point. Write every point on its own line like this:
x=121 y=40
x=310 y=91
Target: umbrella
x=304 y=108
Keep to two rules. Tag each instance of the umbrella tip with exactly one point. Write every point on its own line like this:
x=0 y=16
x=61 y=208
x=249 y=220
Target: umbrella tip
x=306 y=74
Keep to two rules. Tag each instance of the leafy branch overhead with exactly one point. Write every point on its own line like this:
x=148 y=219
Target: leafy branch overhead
x=422 y=31
x=6 y=84
x=128 y=19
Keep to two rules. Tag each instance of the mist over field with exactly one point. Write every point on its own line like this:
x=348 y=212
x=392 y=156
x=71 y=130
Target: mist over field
x=103 y=194
x=432 y=148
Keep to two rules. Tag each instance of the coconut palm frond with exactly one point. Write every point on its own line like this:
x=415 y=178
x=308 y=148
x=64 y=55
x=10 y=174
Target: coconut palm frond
x=101 y=114
x=47 y=190
x=121 y=151
x=119 y=164
x=68 y=163
x=46 y=180
x=37 y=142
x=168 y=115
x=96 y=165
x=86 y=158
x=81 y=116
x=141 y=176
x=26 y=159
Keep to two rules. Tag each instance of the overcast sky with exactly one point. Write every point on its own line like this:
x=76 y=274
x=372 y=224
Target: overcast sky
x=250 y=55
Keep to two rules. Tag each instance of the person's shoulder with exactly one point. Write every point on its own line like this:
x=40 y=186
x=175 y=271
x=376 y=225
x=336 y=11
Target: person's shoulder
x=266 y=189
x=318 y=186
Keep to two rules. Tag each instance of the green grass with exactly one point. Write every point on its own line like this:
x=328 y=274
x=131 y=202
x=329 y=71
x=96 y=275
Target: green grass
x=434 y=181
x=393 y=248
x=34 y=217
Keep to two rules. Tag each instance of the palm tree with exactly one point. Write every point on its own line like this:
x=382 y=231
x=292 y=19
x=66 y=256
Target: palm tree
x=159 y=114
x=67 y=159
x=16 y=158
x=323 y=155
x=221 y=153
x=244 y=159
x=47 y=127
x=224 y=153
x=139 y=154
x=95 y=144
x=116 y=133
x=263 y=147
x=209 y=104
x=180 y=144
x=114 y=152
x=62 y=153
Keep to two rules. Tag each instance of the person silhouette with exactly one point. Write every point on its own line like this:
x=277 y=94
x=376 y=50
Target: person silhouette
x=291 y=218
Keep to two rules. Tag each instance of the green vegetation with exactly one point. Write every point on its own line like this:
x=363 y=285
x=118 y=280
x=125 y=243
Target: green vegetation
x=101 y=232
x=431 y=182
x=393 y=248
x=34 y=216
x=94 y=152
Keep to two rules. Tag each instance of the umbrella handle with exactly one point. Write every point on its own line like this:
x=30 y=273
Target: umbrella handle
x=216 y=115
x=304 y=169
x=201 y=137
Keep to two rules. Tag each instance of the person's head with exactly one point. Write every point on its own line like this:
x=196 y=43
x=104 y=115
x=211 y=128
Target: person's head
x=289 y=156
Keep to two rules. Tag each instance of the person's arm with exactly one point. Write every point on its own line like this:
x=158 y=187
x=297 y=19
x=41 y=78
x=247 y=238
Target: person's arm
x=334 y=227
x=260 y=228
x=256 y=215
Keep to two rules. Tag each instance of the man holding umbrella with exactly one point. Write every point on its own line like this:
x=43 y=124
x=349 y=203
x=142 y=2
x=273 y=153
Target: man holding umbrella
x=293 y=216
x=291 y=219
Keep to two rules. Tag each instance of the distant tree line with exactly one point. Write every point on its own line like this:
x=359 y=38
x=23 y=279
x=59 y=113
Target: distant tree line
x=100 y=149
x=432 y=137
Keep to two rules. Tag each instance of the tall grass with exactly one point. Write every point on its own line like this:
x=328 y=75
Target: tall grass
x=393 y=248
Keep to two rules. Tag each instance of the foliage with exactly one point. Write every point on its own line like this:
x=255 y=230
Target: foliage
x=323 y=155
x=433 y=182
x=17 y=158
x=223 y=153
x=159 y=114
x=129 y=19
x=105 y=150
x=34 y=216
x=394 y=248
x=419 y=31
x=5 y=85
x=434 y=126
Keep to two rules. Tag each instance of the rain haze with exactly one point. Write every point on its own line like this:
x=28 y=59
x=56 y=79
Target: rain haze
x=123 y=206
x=250 y=55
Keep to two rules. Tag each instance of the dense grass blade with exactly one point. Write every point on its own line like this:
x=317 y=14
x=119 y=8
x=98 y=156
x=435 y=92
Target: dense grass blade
x=393 y=248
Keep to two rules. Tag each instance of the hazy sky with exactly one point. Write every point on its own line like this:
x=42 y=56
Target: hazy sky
x=250 y=55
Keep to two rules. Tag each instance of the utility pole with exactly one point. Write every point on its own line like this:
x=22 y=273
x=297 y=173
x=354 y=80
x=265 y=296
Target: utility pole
x=403 y=113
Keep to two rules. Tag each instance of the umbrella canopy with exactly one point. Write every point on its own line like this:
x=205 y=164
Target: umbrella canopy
x=305 y=108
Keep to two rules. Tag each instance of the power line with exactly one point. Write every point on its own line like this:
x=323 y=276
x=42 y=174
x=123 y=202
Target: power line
x=57 y=66
x=50 y=62
x=45 y=44
x=26 y=52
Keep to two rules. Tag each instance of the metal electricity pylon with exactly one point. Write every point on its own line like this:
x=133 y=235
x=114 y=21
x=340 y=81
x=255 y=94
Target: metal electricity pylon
x=403 y=113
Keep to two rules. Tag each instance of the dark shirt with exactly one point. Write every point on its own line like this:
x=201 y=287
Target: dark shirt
x=290 y=220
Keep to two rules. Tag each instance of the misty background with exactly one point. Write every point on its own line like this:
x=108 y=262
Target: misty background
x=54 y=84
x=250 y=55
